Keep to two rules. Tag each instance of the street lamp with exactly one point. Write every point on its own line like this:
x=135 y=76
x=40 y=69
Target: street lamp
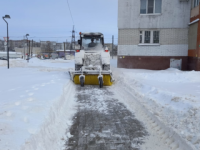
x=7 y=17
x=27 y=44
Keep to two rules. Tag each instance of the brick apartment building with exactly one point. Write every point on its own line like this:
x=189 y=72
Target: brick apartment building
x=194 y=37
x=152 y=32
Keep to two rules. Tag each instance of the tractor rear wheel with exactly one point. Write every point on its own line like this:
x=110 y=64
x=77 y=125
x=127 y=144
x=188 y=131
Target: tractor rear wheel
x=82 y=81
x=101 y=82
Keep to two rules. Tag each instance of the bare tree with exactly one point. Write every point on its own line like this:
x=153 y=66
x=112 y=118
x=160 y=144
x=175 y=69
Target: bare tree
x=47 y=46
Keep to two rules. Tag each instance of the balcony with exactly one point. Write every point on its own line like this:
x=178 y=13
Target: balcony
x=194 y=12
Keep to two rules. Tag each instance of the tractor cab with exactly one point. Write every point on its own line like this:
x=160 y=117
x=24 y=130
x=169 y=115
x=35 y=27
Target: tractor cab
x=91 y=41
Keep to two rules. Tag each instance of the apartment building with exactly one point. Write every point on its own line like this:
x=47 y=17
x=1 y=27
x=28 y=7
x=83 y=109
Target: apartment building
x=152 y=33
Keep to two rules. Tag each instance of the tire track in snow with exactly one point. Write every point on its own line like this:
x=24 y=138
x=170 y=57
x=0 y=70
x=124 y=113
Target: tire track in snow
x=164 y=136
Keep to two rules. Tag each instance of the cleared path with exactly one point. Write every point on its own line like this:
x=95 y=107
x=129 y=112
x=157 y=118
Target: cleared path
x=103 y=123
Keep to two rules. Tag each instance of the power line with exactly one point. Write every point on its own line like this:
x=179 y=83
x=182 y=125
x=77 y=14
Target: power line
x=52 y=37
x=70 y=12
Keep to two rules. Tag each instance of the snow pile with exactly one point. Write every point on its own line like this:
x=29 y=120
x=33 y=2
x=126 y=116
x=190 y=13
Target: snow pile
x=173 y=96
x=36 y=104
x=35 y=62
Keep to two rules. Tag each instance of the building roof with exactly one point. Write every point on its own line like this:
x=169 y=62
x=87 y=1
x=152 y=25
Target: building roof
x=91 y=33
x=61 y=50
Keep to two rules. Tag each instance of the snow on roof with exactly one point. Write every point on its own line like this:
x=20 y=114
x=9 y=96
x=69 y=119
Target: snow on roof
x=91 y=33
x=61 y=50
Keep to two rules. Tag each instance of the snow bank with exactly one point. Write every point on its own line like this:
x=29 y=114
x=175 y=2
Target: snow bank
x=52 y=133
x=173 y=96
x=36 y=104
x=35 y=62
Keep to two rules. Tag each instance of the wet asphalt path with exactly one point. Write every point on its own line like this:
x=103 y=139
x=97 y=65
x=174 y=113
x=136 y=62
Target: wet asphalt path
x=103 y=123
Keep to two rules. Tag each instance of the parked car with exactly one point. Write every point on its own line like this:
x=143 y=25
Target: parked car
x=54 y=56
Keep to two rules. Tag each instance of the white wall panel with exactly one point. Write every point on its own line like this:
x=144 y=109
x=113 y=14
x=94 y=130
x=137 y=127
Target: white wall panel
x=162 y=50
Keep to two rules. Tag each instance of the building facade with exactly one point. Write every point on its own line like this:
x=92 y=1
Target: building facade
x=194 y=37
x=152 y=32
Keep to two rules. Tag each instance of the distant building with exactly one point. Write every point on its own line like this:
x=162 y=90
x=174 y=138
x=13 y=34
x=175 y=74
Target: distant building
x=194 y=37
x=62 y=53
x=152 y=32
x=2 y=48
x=34 y=50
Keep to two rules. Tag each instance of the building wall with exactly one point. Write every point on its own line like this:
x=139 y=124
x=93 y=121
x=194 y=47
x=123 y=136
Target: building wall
x=173 y=41
x=149 y=62
x=175 y=14
x=162 y=50
x=36 y=50
x=167 y=36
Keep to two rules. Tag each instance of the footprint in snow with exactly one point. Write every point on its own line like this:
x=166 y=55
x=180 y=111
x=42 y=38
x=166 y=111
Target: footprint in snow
x=25 y=119
x=30 y=99
x=30 y=94
x=32 y=130
x=8 y=113
x=17 y=103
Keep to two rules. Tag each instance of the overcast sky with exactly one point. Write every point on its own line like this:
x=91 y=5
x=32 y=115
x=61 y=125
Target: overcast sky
x=51 y=20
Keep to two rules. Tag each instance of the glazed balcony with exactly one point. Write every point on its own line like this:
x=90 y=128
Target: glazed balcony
x=194 y=12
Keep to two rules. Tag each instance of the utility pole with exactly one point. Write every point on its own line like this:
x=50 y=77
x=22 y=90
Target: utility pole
x=32 y=49
x=64 y=52
x=112 y=45
x=27 y=50
x=73 y=42
x=29 y=47
x=27 y=44
x=24 y=49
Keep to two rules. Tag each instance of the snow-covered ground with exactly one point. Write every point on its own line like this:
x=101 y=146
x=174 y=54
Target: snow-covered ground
x=37 y=101
x=173 y=96
x=36 y=104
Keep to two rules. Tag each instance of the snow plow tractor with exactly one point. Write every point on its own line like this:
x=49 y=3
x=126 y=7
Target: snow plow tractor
x=92 y=61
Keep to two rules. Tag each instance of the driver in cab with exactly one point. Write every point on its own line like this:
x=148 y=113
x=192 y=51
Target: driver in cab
x=92 y=44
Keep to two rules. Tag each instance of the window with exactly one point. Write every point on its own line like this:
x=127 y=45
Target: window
x=195 y=3
x=140 y=36
x=150 y=6
x=149 y=37
x=155 y=36
x=94 y=42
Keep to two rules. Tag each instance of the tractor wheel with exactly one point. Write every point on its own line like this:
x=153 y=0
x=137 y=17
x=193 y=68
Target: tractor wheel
x=82 y=81
x=101 y=82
